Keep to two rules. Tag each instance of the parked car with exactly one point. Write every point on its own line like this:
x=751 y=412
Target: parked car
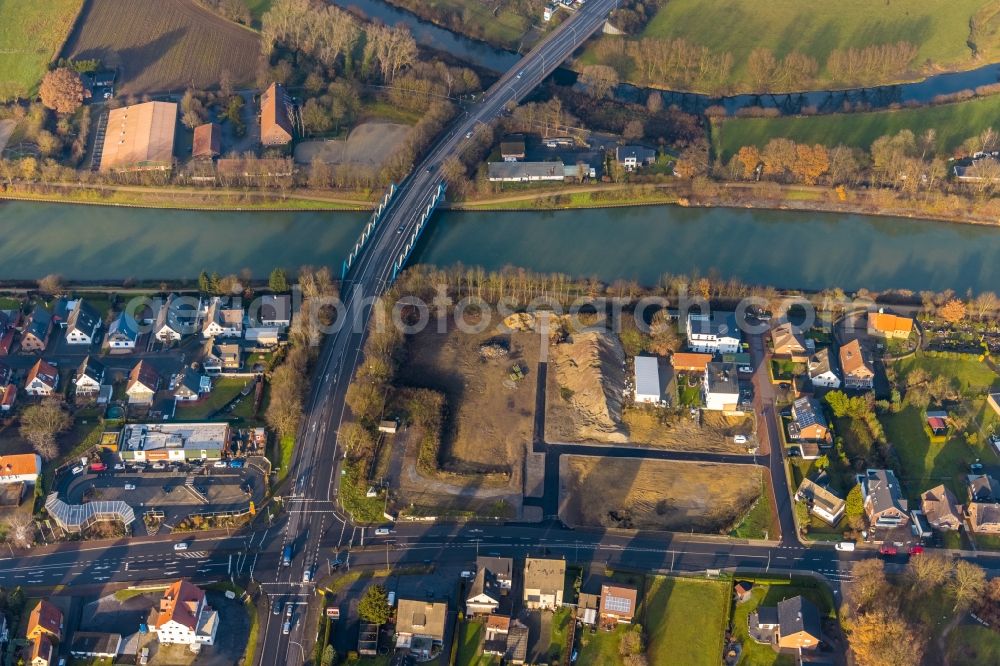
x=183 y=545
x=383 y=531
x=307 y=576
x=888 y=549
x=288 y=611
x=77 y=469
x=129 y=486
x=220 y=463
x=119 y=467
x=276 y=608
x=159 y=465
x=846 y=546
x=286 y=628
x=237 y=464
x=916 y=549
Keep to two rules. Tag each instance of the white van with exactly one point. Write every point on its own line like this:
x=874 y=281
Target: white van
x=181 y=546
x=846 y=545
x=383 y=531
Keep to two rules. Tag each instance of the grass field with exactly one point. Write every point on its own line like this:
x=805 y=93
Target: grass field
x=938 y=28
x=31 y=34
x=166 y=45
x=470 y=637
x=601 y=647
x=475 y=18
x=669 y=607
x=954 y=123
x=972 y=645
x=224 y=389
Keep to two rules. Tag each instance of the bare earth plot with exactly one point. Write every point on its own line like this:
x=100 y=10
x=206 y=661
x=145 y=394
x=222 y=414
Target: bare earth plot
x=368 y=144
x=714 y=433
x=164 y=45
x=655 y=494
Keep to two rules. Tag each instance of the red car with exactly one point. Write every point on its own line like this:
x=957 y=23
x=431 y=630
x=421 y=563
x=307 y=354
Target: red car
x=98 y=467
x=886 y=549
x=916 y=550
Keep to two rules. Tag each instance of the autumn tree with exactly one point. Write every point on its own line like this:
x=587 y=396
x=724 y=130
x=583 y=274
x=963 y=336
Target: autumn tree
x=953 y=311
x=600 y=79
x=870 y=584
x=42 y=422
x=882 y=638
x=51 y=284
x=62 y=90
x=693 y=160
x=968 y=584
x=760 y=66
x=374 y=605
x=749 y=158
x=810 y=163
x=930 y=570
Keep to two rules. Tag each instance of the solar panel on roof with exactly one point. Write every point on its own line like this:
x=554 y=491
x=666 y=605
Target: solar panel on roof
x=617 y=604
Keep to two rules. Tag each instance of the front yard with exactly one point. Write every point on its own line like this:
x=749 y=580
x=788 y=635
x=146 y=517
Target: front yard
x=668 y=608
x=224 y=390
x=768 y=592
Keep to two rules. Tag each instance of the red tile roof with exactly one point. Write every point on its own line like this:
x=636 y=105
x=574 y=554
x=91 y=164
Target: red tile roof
x=180 y=603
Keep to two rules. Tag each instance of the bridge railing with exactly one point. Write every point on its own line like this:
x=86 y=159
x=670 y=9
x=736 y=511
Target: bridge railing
x=412 y=243
x=367 y=231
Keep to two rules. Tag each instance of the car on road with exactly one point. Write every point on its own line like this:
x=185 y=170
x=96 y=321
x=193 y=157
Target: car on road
x=276 y=608
x=847 y=546
x=746 y=369
x=119 y=467
x=916 y=549
x=520 y=74
x=159 y=465
x=220 y=463
x=307 y=576
x=286 y=556
x=740 y=439
x=286 y=628
x=399 y=229
x=383 y=531
x=183 y=545
x=468 y=135
x=887 y=549
x=77 y=469
x=237 y=464
x=129 y=486
x=288 y=611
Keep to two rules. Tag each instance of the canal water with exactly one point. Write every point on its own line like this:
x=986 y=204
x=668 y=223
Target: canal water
x=780 y=248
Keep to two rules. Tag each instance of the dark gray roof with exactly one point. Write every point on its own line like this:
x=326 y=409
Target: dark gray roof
x=982 y=487
x=807 y=412
x=767 y=615
x=190 y=380
x=124 y=327
x=39 y=323
x=798 y=614
x=517 y=642
x=719 y=324
x=821 y=362
x=91 y=367
x=640 y=153
x=883 y=489
x=84 y=318
x=722 y=378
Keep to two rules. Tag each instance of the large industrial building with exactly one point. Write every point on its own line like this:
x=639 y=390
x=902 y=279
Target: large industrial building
x=154 y=442
x=140 y=138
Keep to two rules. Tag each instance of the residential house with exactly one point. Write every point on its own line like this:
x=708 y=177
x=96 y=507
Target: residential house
x=884 y=325
x=822 y=372
x=143 y=383
x=8 y=397
x=858 y=370
x=123 y=332
x=941 y=508
x=517 y=643
x=722 y=387
x=61 y=309
x=544 y=581
x=490 y=589
x=83 y=324
x=632 y=157
x=42 y=652
x=222 y=320
x=420 y=626
x=45 y=620
x=275 y=123
x=690 y=362
x=982 y=488
x=808 y=421
x=714 y=333
x=512 y=149
x=207 y=142
x=230 y=356
x=648 y=388
x=35 y=335
x=270 y=311
x=984 y=517
x=822 y=502
x=20 y=468
x=497 y=630
x=788 y=342
x=89 y=377
x=883 y=499
x=263 y=337
x=794 y=624
x=42 y=379
x=184 y=617
x=177 y=317
x=189 y=385
x=617 y=604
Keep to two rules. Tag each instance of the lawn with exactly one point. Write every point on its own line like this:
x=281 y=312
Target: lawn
x=938 y=29
x=973 y=645
x=757 y=524
x=966 y=371
x=31 y=35
x=164 y=46
x=769 y=593
x=476 y=18
x=470 y=638
x=667 y=610
x=600 y=648
x=560 y=634
x=953 y=123
x=352 y=495
x=224 y=389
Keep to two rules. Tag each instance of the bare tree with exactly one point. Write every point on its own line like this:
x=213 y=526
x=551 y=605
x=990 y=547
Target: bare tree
x=42 y=422
x=51 y=284
x=968 y=585
x=22 y=530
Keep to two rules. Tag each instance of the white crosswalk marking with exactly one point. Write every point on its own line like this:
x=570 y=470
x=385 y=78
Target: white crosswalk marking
x=193 y=554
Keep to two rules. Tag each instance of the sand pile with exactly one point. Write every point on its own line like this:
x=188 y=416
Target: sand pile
x=590 y=372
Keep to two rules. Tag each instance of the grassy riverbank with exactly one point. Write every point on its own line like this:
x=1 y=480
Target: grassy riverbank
x=952 y=123
x=186 y=198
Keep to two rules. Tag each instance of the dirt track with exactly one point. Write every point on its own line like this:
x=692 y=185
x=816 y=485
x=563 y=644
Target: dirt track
x=368 y=144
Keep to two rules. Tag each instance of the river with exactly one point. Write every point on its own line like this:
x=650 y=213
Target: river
x=780 y=248
x=488 y=57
